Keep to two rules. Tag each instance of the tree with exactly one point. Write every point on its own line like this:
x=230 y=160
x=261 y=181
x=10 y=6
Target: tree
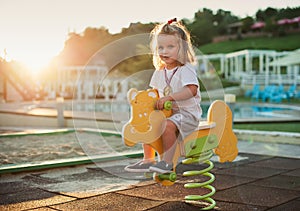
x=222 y=19
x=270 y=12
x=288 y=13
x=247 y=23
x=270 y=26
x=260 y=15
x=202 y=29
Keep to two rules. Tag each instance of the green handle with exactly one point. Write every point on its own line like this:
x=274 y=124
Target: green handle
x=168 y=105
x=169 y=176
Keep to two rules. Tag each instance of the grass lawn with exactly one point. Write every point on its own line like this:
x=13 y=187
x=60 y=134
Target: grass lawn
x=286 y=43
x=283 y=127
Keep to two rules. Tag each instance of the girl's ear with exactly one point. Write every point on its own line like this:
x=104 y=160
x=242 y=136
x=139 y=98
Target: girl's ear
x=131 y=94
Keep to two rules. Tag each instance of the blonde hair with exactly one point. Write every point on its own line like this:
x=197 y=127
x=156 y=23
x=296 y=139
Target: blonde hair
x=186 y=53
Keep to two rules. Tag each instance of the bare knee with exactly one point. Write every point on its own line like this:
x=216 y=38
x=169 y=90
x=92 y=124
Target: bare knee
x=170 y=129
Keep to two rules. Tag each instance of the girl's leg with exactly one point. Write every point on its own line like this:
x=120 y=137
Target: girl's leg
x=149 y=154
x=169 y=138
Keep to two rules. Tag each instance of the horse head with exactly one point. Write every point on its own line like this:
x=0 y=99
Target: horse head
x=142 y=105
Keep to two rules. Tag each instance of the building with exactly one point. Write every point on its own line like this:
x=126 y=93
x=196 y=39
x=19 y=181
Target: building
x=261 y=67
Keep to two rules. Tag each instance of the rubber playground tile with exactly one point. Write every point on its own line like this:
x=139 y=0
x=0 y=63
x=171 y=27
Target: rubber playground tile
x=63 y=172
x=156 y=191
x=78 y=194
x=29 y=199
x=256 y=195
x=241 y=160
x=178 y=206
x=88 y=174
x=118 y=171
x=37 y=179
x=42 y=209
x=150 y=181
x=12 y=187
x=85 y=183
x=295 y=173
x=182 y=206
x=228 y=181
x=255 y=157
x=28 y=194
x=226 y=206
x=280 y=181
x=109 y=201
x=289 y=206
x=279 y=163
x=251 y=171
x=180 y=168
x=221 y=182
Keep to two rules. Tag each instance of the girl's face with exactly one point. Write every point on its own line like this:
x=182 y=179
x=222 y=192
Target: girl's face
x=168 y=48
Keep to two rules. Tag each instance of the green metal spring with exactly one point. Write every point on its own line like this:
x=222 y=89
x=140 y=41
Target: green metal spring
x=195 y=199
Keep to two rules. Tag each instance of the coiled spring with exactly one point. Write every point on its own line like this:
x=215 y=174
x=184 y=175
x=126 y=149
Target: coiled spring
x=195 y=199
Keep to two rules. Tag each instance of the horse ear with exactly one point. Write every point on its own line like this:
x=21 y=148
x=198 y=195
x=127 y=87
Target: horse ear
x=131 y=94
x=153 y=93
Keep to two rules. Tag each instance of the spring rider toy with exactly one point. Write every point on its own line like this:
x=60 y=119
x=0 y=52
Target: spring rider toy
x=213 y=136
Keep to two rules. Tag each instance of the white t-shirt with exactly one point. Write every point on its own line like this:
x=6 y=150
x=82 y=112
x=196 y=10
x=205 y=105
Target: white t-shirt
x=185 y=75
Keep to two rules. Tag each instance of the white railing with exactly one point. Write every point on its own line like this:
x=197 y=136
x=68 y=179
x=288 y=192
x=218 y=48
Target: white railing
x=263 y=79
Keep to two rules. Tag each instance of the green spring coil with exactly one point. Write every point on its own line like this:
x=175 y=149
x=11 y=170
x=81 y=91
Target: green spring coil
x=194 y=199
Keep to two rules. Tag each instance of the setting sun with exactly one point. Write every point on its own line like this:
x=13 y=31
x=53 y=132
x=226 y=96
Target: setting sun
x=36 y=64
x=34 y=53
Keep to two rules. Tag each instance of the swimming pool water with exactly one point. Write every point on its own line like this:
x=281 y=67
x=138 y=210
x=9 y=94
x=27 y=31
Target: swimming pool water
x=240 y=110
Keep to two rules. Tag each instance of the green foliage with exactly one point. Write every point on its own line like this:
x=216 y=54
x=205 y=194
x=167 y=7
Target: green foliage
x=247 y=23
x=288 y=13
x=270 y=26
x=226 y=83
x=135 y=64
x=79 y=48
x=222 y=19
x=264 y=15
x=285 y=43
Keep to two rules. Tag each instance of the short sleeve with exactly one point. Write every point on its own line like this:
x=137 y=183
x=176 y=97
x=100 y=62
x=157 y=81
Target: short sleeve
x=156 y=79
x=189 y=75
x=153 y=81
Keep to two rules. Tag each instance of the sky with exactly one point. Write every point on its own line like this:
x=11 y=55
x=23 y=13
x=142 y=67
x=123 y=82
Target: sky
x=34 y=31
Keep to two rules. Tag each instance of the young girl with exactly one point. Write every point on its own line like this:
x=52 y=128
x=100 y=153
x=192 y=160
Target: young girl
x=176 y=80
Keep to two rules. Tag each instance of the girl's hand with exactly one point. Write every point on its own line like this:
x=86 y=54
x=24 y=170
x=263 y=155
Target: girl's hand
x=161 y=101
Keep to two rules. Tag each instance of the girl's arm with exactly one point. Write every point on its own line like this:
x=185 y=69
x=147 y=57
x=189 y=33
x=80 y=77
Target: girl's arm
x=187 y=92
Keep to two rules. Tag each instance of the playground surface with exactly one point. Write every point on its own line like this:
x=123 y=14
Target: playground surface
x=261 y=178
